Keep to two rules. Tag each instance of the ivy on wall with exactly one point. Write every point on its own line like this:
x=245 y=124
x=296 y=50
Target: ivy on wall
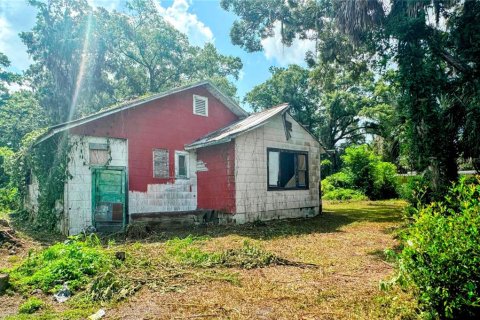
x=48 y=163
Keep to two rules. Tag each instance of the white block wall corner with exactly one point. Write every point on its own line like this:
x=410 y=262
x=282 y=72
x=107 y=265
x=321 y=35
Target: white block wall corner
x=253 y=201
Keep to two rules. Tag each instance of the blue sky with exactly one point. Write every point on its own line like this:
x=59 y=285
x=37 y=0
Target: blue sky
x=202 y=20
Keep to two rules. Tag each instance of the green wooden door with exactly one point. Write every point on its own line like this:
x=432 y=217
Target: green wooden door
x=108 y=186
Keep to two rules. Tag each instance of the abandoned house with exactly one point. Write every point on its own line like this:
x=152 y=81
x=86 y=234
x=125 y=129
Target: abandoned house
x=187 y=156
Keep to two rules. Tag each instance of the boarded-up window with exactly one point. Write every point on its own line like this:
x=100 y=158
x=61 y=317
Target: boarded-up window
x=287 y=169
x=160 y=163
x=99 y=154
x=200 y=105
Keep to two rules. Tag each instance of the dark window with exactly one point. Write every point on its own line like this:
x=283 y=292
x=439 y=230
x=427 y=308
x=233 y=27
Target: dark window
x=287 y=169
x=182 y=168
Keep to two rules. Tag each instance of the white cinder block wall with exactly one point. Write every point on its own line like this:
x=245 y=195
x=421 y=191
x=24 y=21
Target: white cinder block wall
x=253 y=201
x=178 y=196
x=78 y=189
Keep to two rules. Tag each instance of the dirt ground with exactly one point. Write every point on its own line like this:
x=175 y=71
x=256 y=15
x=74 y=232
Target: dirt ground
x=341 y=252
x=346 y=249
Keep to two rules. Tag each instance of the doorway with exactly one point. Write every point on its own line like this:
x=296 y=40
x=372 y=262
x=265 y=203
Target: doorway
x=109 y=199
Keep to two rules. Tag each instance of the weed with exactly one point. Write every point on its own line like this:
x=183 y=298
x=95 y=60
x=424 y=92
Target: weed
x=73 y=261
x=30 y=306
x=186 y=251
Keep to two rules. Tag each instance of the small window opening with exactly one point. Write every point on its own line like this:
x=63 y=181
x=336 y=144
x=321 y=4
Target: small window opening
x=181 y=164
x=99 y=153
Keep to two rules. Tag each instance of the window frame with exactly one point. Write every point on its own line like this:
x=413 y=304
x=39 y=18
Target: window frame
x=296 y=152
x=92 y=146
x=187 y=164
x=206 y=105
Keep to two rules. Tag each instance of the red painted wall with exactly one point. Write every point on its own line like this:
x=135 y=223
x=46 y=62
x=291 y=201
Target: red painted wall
x=167 y=123
x=216 y=187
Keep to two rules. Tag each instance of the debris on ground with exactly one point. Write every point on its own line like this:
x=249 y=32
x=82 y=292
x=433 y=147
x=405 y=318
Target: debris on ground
x=120 y=255
x=7 y=235
x=97 y=315
x=63 y=295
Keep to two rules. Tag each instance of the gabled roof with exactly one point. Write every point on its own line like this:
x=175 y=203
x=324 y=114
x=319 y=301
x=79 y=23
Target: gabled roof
x=226 y=100
x=226 y=134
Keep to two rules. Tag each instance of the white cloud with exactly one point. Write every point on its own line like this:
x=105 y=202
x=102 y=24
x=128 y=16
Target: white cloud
x=188 y=23
x=274 y=49
x=12 y=46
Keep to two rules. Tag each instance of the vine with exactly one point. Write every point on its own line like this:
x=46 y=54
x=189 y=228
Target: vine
x=48 y=163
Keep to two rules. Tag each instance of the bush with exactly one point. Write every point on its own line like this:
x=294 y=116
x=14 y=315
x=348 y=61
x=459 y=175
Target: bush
x=363 y=175
x=441 y=257
x=8 y=199
x=73 y=261
x=344 y=195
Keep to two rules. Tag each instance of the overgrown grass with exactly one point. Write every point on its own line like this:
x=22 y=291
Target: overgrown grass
x=31 y=305
x=233 y=272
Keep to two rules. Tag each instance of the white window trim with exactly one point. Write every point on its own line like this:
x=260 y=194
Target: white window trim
x=206 y=105
x=187 y=164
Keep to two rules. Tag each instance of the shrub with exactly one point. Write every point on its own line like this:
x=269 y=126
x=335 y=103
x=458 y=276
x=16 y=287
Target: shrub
x=30 y=306
x=344 y=195
x=73 y=261
x=363 y=175
x=8 y=198
x=441 y=257
x=367 y=173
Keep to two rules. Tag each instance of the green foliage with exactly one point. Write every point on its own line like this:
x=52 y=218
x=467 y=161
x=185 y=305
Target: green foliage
x=415 y=190
x=5 y=157
x=441 y=255
x=187 y=251
x=326 y=167
x=47 y=162
x=8 y=193
x=20 y=115
x=428 y=126
x=8 y=199
x=329 y=108
x=112 y=56
x=363 y=175
x=30 y=306
x=75 y=261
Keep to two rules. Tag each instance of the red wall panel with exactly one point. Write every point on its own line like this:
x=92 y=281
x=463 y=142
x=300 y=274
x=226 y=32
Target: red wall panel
x=167 y=123
x=216 y=187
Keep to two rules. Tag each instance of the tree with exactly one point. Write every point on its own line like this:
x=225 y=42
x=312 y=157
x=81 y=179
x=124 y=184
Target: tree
x=150 y=55
x=68 y=73
x=6 y=78
x=291 y=85
x=437 y=67
x=87 y=58
x=20 y=115
x=339 y=111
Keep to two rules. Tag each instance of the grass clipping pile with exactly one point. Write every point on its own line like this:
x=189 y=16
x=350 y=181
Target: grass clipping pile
x=95 y=273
